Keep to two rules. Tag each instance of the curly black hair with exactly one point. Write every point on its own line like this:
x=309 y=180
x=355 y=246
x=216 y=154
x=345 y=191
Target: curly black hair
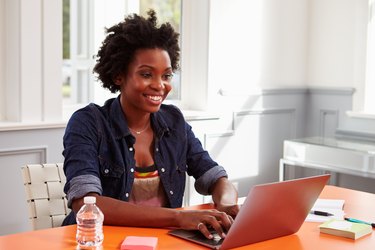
x=125 y=38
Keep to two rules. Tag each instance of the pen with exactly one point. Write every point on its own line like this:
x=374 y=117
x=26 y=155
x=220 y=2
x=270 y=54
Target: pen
x=360 y=221
x=320 y=213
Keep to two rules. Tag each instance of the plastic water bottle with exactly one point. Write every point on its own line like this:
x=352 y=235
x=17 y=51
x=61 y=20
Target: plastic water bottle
x=89 y=224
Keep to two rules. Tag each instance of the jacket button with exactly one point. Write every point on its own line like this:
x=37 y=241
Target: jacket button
x=106 y=171
x=132 y=170
x=127 y=195
x=171 y=192
x=163 y=170
x=157 y=149
x=130 y=149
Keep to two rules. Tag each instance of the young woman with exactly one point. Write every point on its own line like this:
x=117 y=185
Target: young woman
x=134 y=152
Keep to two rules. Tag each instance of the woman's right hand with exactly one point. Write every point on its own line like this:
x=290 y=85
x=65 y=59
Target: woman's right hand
x=202 y=220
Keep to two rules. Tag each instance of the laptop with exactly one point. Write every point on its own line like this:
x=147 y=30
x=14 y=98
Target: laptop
x=269 y=211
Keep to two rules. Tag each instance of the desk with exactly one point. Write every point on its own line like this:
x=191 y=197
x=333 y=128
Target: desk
x=350 y=157
x=358 y=204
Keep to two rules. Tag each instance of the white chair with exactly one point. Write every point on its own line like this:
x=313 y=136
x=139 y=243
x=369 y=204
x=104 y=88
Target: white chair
x=46 y=199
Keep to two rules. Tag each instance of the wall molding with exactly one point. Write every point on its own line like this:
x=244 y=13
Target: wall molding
x=270 y=111
x=323 y=113
x=287 y=91
x=38 y=150
x=18 y=126
x=263 y=111
x=256 y=92
x=331 y=91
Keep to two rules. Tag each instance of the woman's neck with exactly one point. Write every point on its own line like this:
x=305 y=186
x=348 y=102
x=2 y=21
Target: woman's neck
x=136 y=119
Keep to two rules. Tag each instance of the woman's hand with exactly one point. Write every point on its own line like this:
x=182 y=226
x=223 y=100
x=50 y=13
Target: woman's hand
x=231 y=210
x=203 y=220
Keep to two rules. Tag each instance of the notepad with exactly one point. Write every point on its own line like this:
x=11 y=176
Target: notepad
x=345 y=229
x=332 y=206
x=139 y=243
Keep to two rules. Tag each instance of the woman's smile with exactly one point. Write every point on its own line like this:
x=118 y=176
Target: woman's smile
x=155 y=99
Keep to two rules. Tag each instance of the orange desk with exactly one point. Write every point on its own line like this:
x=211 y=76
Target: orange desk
x=358 y=205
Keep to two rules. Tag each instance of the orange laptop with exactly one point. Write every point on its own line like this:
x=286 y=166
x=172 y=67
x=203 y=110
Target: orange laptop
x=270 y=210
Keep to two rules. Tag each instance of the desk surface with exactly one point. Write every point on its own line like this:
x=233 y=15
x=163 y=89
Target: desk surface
x=358 y=204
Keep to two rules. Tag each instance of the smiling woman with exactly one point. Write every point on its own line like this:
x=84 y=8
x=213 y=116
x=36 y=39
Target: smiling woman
x=134 y=152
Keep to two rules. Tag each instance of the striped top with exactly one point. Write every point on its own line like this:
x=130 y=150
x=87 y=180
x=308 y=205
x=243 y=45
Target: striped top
x=147 y=188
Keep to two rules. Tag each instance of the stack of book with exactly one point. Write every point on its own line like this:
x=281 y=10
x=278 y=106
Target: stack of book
x=345 y=228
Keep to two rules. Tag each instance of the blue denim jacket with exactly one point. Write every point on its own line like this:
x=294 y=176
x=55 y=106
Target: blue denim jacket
x=99 y=154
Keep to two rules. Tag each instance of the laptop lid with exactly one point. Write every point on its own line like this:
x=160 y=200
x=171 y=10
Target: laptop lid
x=270 y=210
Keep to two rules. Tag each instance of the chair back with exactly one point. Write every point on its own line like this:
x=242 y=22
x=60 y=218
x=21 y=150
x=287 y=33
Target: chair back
x=44 y=184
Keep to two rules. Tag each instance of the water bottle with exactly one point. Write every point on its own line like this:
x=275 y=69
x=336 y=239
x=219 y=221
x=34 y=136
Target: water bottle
x=89 y=224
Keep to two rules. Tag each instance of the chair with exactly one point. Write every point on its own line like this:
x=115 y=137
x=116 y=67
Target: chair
x=46 y=199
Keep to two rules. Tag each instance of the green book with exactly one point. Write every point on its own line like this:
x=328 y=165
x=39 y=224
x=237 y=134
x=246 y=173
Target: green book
x=345 y=229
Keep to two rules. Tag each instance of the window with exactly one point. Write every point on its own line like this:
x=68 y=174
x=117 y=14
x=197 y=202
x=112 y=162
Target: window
x=83 y=26
x=33 y=79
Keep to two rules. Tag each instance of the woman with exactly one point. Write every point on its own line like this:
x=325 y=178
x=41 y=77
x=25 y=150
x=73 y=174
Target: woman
x=133 y=153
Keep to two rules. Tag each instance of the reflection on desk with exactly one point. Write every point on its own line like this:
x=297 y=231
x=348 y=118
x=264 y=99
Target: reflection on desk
x=357 y=205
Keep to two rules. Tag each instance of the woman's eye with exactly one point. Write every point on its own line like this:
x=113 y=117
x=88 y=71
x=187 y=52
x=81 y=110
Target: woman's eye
x=168 y=76
x=146 y=75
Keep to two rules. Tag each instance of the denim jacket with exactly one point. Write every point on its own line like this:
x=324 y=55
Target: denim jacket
x=99 y=154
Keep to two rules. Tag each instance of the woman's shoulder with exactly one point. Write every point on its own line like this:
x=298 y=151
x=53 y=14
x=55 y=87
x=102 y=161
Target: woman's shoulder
x=170 y=112
x=85 y=112
x=91 y=110
x=89 y=116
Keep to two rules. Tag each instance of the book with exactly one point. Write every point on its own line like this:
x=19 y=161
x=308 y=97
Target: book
x=345 y=229
x=139 y=243
x=332 y=206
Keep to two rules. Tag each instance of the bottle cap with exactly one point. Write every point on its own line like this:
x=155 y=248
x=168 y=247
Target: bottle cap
x=89 y=199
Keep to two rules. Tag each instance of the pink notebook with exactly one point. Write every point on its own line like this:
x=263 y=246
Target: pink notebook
x=139 y=243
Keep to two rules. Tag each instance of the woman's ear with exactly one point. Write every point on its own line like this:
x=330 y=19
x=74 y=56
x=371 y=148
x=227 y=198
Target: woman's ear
x=118 y=80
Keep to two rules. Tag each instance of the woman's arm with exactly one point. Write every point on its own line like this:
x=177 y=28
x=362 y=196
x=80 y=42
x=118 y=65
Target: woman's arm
x=121 y=213
x=225 y=196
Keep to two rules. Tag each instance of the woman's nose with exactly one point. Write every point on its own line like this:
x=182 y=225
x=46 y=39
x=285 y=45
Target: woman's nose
x=158 y=84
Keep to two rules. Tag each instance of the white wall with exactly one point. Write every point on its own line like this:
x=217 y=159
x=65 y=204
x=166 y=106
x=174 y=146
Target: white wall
x=257 y=44
x=337 y=44
x=2 y=58
x=284 y=43
x=289 y=43
x=329 y=35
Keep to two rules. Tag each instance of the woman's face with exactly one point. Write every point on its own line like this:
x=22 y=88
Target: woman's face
x=148 y=81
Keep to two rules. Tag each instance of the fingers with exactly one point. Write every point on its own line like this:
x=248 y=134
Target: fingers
x=204 y=221
x=204 y=230
x=219 y=221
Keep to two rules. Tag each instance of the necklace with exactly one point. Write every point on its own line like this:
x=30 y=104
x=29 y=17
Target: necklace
x=141 y=131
